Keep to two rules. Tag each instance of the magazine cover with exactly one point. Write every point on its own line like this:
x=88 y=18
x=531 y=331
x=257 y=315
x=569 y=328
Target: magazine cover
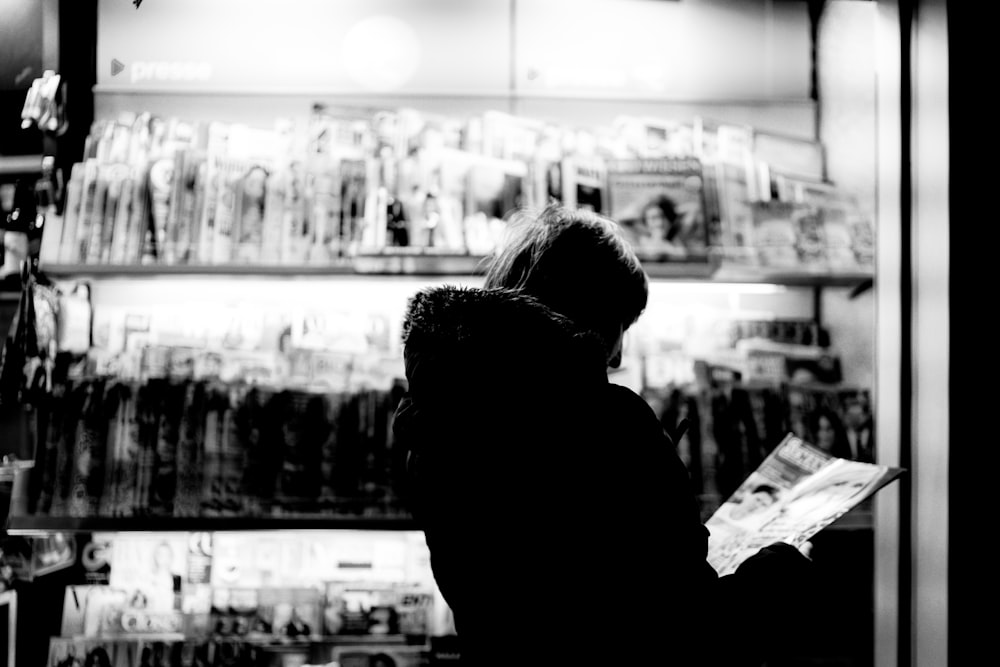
x=114 y=251
x=249 y=215
x=376 y=654
x=190 y=451
x=439 y=218
x=88 y=194
x=77 y=652
x=126 y=457
x=71 y=213
x=776 y=236
x=117 y=394
x=296 y=229
x=795 y=492
x=360 y=608
x=100 y=205
x=271 y=225
x=353 y=189
x=546 y=168
x=150 y=566
x=293 y=613
x=705 y=138
x=584 y=182
x=86 y=480
x=736 y=213
x=660 y=204
x=228 y=193
x=495 y=189
x=218 y=143
x=510 y=137
x=189 y=190
x=99 y=248
x=138 y=216
x=790 y=155
x=846 y=229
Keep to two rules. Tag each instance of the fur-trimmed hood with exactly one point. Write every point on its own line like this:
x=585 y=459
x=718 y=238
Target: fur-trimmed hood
x=497 y=335
x=462 y=314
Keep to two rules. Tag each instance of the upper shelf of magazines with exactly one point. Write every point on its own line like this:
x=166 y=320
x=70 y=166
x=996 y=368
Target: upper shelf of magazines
x=402 y=191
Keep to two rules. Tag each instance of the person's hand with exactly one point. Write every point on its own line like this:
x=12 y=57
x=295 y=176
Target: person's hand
x=806 y=549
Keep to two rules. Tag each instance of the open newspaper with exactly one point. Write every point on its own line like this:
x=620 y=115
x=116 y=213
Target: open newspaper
x=797 y=491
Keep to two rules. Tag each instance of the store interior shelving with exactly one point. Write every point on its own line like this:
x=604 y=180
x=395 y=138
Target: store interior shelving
x=385 y=278
x=859 y=518
x=459 y=265
x=29 y=525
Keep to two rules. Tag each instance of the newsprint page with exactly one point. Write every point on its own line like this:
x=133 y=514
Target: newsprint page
x=795 y=492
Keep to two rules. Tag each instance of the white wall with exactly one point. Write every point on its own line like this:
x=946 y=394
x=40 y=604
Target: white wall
x=572 y=61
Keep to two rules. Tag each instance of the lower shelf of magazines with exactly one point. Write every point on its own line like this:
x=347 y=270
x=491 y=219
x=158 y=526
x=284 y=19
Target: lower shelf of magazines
x=442 y=265
x=27 y=525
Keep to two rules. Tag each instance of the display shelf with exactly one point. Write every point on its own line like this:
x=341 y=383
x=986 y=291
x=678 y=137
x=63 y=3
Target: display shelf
x=789 y=277
x=322 y=640
x=419 y=263
x=416 y=94
x=699 y=271
x=454 y=265
x=410 y=264
x=28 y=525
x=139 y=270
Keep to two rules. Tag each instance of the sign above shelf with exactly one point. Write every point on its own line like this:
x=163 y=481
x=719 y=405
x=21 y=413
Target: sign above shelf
x=648 y=50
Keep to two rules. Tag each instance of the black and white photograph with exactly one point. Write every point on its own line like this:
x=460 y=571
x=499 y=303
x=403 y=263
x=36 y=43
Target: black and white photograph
x=341 y=333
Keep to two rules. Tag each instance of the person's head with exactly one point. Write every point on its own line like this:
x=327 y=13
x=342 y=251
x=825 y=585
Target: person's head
x=163 y=557
x=856 y=412
x=98 y=657
x=659 y=216
x=578 y=264
x=827 y=431
x=757 y=498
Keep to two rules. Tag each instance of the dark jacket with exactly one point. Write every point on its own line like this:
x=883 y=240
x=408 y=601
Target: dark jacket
x=559 y=517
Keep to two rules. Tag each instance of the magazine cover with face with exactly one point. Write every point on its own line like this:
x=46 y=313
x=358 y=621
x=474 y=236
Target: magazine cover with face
x=660 y=204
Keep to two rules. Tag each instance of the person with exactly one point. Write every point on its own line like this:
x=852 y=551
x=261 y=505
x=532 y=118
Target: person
x=756 y=499
x=859 y=428
x=160 y=586
x=560 y=520
x=97 y=657
x=828 y=433
x=658 y=229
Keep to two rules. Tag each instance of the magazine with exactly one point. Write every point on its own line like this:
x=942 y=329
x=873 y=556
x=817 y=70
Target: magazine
x=795 y=492
x=584 y=181
x=646 y=137
x=660 y=204
x=791 y=155
x=775 y=235
x=846 y=229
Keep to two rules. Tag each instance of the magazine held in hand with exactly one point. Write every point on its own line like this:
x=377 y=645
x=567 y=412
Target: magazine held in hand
x=797 y=491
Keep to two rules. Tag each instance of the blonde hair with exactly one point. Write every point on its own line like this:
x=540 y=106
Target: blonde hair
x=575 y=262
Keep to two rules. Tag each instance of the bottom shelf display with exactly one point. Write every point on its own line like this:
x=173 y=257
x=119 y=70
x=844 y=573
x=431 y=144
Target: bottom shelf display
x=166 y=652
x=281 y=598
